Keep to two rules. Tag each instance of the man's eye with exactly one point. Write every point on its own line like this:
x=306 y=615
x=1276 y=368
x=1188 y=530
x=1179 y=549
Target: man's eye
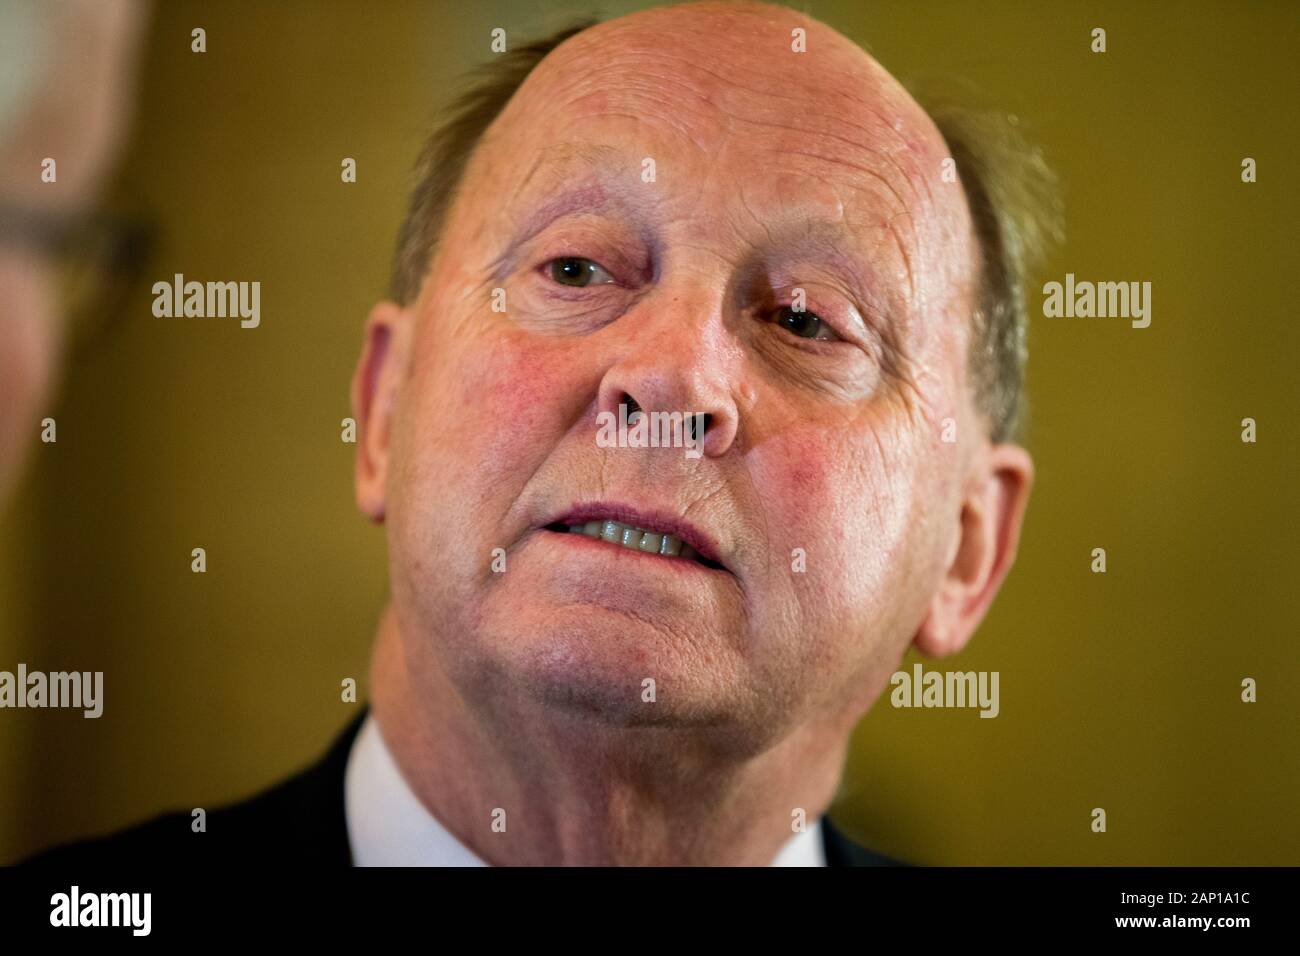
x=576 y=271
x=805 y=324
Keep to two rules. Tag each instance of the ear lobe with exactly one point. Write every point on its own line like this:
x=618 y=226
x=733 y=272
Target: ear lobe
x=982 y=553
x=374 y=391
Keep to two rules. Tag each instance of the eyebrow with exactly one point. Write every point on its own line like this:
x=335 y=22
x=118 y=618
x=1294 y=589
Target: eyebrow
x=591 y=161
x=587 y=198
x=830 y=243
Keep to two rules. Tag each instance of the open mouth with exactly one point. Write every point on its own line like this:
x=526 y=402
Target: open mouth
x=646 y=540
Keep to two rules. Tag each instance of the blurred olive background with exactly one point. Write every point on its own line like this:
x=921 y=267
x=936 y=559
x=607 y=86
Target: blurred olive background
x=1118 y=690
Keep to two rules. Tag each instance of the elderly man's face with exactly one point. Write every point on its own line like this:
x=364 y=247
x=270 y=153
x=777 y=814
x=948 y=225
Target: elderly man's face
x=701 y=172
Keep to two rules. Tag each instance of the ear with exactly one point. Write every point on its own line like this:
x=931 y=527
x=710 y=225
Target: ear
x=375 y=385
x=983 y=549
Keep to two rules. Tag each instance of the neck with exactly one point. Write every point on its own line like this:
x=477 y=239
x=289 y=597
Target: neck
x=576 y=791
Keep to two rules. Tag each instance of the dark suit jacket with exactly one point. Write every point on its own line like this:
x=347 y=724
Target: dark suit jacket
x=298 y=821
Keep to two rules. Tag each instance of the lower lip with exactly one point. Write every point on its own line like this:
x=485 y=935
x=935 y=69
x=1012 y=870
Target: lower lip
x=643 y=558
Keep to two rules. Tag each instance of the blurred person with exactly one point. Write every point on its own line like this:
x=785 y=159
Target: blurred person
x=66 y=75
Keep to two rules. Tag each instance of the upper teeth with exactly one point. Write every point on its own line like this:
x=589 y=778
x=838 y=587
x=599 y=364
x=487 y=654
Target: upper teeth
x=638 y=539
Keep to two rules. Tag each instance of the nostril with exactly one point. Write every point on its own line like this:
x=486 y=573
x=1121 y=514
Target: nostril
x=708 y=420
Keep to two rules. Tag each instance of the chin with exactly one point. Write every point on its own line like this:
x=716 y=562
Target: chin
x=586 y=665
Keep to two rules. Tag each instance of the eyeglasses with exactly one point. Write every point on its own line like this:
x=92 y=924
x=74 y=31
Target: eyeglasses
x=98 y=258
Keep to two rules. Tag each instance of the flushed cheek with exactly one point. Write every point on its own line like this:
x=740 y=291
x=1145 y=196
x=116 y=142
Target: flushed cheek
x=485 y=387
x=479 y=419
x=489 y=413
x=838 y=507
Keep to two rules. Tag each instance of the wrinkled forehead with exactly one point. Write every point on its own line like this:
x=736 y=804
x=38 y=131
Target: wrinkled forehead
x=733 y=115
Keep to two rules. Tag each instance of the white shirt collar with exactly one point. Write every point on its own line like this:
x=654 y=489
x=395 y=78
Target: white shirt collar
x=389 y=826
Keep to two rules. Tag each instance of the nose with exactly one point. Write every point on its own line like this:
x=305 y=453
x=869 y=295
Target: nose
x=678 y=359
